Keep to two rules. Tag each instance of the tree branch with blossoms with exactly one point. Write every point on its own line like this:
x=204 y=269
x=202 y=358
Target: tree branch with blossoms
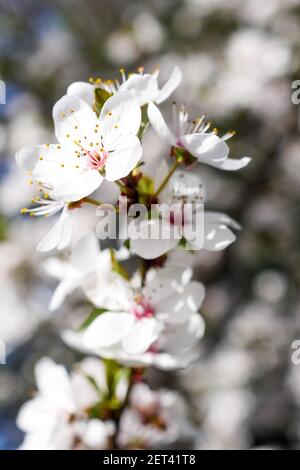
x=140 y=318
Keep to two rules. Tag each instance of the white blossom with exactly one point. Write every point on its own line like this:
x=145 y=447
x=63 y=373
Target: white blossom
x=213 y=229
x=56 y=418
x=206 y=147
x=153 y=418
x=143 y=86
x=89 y=149
x=158 y=324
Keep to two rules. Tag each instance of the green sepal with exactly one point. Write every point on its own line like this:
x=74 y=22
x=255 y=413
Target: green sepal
x=101 y=96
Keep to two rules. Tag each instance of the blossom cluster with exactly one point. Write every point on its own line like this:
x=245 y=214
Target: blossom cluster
x=140 y=317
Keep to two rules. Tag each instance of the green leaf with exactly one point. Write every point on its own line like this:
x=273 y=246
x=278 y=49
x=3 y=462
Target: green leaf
x=91 y=317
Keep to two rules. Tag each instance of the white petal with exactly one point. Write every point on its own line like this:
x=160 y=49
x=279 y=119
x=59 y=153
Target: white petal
x=179 y=307
x=107 y=330
x=79 y=185
x=164 y=283
x=96 y=435
x=232 y=164
x=142 y=242
x=85 y=253
x=75 y=341
x=159 y=124
x=120 y=110
x=60 y=167
x=169 y=86
x=142 y=335
x=184 y=336
x=124 y=158
x=63 y=289
x=54 y=384
x=56 y=268
x=47 y=163
x=59 y=235
x=36 y=415
x=217 y=236
x=83 y=90
x=74 y=120
x=207 y=148
x=144 y=87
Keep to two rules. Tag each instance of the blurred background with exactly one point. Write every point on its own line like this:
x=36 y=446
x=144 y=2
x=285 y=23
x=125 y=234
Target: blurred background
x=239 y=59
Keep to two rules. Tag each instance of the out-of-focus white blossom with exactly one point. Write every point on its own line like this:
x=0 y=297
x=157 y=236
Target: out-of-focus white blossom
x=57 y=417
x=157 y=324
x=154 y=418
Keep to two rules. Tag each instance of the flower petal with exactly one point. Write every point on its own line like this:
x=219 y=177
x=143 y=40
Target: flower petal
x=53 y=383
x=142 y=242
x=120 y=116
x=169 y=86
x=81 y=184
x=83 y=90
x=180 y=306
x=86 y=252
x=108 y=330
x=143 y=87
x=183 y=337
x=59 y=167
x=59 y=235
x=159 y=124
x=231 y=164
x=217 y=236
x=142 y=335
x=124 y=158
x=36 y=416
x=63 y=289
x=74 y=120
x=207 y=148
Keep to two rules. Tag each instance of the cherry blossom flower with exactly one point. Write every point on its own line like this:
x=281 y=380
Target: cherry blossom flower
x=143 y=86
x=184 y=191
x=194 y=138
x=152 y=317
x=154 y=418
x=56 y=418
x=89 y=149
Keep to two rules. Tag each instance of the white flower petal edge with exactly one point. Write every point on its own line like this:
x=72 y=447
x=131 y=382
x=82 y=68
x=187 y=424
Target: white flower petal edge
x=160 y=125
x=83 y=90
x=60 y=235
x=170 y=86
x=146 y=247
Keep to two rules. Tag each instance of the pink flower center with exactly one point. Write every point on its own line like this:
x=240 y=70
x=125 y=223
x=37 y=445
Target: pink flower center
x=96 y=158
x=142 y=309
